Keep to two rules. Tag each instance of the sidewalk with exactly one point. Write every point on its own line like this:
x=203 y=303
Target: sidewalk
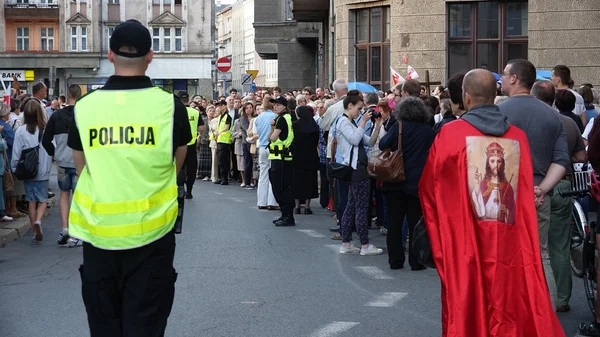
x=10 y=231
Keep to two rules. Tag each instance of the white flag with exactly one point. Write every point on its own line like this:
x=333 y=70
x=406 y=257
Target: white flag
x=411 y=74
x=396 y=77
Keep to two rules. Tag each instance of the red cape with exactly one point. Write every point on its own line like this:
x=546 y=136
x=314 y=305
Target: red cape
x=491 y=273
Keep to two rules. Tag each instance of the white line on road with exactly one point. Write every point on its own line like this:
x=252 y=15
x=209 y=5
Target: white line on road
x=374 y=272
x=311 y=232
x=334 y=329
x=335 y=248
x=386 y=300
x=218 y=193
x=237 y=199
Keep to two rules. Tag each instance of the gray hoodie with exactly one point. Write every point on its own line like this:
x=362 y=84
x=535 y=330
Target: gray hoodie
x=25 y=140
x=488 y=119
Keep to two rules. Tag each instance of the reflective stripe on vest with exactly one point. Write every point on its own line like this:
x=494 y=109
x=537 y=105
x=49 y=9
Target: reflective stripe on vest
x=193 y=116
x=224 y=136
x=126 y=196
x=280 y=149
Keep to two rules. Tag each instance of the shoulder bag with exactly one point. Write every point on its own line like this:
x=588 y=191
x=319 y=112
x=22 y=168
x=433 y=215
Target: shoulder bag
x=388 y=166
x=421 y=246
x=27 y=166
x=8 y=183
x=337 y=170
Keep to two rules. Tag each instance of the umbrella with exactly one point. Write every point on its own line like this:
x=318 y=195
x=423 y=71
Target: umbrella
x=544 y=74
x=363 y=87
x=496 y=76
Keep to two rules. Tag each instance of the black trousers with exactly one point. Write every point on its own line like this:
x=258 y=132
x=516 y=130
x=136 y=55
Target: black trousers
x=280 y=175
x=223 y=151
x=324 y=189
x=129 y=293
x=187 y=174
x=399 y=205
x=248 y=164
x=235 y=174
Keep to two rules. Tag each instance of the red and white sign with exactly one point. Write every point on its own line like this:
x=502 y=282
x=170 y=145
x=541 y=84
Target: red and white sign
x=396 y=78
x=223 y=64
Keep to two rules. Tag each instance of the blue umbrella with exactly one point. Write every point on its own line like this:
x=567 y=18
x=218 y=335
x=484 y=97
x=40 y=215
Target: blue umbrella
x=544 y=74
x=496 y=76
x=362 y=87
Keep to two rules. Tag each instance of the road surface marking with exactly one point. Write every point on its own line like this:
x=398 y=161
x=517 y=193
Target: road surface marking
x=335 y=248
x=237 y=199
x=218 y=193
x=311 y=233
x=374 y=272
x=386 y=300
x=334 y=329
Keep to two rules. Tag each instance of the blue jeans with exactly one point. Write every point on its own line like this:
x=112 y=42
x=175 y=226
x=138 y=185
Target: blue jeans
x=36 y=190
x=67 y=179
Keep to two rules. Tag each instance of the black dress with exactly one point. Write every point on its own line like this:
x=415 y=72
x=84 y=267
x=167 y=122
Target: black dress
x=305 y=165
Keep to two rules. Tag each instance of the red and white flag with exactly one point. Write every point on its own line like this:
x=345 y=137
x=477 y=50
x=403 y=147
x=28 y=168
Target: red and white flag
x=396 y=78
x=411 y=74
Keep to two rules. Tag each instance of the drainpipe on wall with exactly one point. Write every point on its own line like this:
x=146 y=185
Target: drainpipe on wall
x=331 y=43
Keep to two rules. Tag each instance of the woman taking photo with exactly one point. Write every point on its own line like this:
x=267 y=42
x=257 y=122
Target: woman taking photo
x=351 y=140
x=417 y=137
x=306 y=159
x=36 y=189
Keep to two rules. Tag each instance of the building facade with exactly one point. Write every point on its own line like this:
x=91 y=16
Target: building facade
x=67 y=41
x=236 y=35
x=447 y=37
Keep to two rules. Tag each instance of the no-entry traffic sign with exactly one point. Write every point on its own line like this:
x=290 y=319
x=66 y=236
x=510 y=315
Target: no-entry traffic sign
x=223 y=64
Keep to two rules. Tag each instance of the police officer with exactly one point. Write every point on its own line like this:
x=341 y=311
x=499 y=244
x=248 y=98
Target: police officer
x=224 y=140
x=129 y=140
x=280 y=173
x=188 y=172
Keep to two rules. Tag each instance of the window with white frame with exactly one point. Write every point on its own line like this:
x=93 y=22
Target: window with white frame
x=178 y=40
x=74 y=38
x=22 y=38
x=83 y=38
x=47 y=38
x=111 y=30
x=167 y=40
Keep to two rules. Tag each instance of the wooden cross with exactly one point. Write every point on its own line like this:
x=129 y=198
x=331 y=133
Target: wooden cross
x=428 y=83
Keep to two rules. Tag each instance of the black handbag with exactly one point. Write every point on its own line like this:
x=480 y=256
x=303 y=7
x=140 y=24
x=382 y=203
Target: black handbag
x=421 y=246
x=27 y=166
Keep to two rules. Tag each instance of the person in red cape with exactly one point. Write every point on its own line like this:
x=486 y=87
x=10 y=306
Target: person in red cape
x=490 y=267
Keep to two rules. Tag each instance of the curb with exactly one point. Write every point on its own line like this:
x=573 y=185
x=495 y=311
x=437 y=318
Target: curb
x=11 y=231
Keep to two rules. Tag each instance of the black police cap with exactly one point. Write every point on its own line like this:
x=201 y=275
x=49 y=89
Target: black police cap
x=131 y=33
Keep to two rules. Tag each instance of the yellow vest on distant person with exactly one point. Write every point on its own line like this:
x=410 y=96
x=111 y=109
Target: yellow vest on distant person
x=224 y=136
x=193 y=116
x=280 y=149
x=126 y=196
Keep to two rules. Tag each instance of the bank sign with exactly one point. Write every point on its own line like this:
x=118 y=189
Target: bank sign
x=21 y=75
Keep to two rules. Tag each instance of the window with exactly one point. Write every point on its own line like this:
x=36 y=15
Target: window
x=373 y=46
x=111 y=30
x=156 y=39
x=47 y=36
x=167 y=2
x=22 y=38
x=74 y=38
x=156 y=2
x=486 y=35
x=167 y=40
x=114 y=2
x=83 y=38
x=178 y=40
x=178 y=2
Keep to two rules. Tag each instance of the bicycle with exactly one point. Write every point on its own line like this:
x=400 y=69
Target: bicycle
x=583 y=237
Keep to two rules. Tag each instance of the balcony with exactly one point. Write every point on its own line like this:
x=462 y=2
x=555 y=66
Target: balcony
x=310 y=10
x=31 y=9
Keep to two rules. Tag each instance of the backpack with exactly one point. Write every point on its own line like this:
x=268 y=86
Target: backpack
x=27 y=166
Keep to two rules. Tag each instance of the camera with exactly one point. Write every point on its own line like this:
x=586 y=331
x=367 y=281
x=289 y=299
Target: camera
x=376 y=114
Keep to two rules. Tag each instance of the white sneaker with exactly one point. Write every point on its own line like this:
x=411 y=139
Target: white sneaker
x=243 y=185
x=6 y=218
x=349 y=249
x=205 y=179
x=74 y=243
x=371 y=250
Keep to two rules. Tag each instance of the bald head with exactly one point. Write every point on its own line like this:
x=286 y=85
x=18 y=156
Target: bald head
x=479 y=87
x=544 y=91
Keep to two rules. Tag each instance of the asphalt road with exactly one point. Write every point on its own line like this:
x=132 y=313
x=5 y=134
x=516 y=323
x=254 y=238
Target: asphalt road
x=241 y=276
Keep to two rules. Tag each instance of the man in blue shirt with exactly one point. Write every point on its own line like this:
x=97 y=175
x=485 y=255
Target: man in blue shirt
x=262 y=124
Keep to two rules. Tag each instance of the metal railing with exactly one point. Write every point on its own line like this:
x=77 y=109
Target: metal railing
x=31 y=3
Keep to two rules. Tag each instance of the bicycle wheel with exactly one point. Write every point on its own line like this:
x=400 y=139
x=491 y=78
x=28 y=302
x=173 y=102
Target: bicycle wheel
x=589 y=279
x=578 y=225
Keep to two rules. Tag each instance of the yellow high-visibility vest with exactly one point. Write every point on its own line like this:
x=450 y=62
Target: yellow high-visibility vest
x=224 y=136
x=193 y=116
x=280 y=149
x=126 y=196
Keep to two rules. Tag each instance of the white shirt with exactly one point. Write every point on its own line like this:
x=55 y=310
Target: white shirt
x=588 y=129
